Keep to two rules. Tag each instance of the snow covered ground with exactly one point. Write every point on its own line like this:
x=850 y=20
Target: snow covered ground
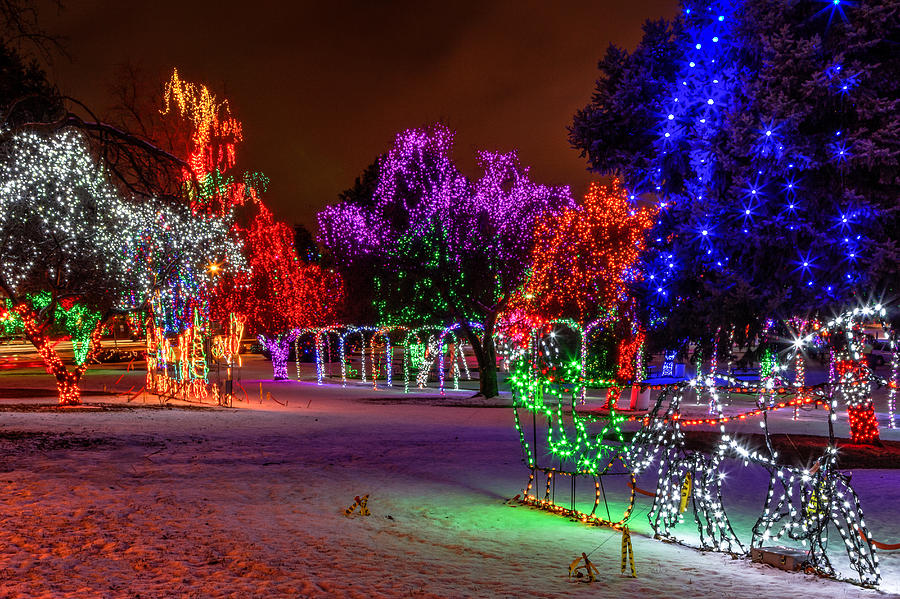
x=143 y=501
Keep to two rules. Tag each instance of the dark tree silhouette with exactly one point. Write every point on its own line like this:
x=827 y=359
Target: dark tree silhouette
x=305 y=244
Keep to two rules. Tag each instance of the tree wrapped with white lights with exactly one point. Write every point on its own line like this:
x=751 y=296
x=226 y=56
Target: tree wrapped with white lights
x=68 y=237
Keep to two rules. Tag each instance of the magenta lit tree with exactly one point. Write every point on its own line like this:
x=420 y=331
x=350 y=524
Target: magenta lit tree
x=444 y=248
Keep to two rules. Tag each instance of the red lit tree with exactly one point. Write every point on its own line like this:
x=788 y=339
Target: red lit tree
x=278 y=294
x=210 y=151
x=583 y=262
x=584 y=257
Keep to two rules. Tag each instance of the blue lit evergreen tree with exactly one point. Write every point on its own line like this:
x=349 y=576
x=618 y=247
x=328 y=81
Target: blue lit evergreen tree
x=769 y=132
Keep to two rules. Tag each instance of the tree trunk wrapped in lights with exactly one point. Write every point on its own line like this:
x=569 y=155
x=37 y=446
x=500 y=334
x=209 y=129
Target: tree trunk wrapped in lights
x=67 y=381
x=279 y=347
x=851 y=375
x=854 y=386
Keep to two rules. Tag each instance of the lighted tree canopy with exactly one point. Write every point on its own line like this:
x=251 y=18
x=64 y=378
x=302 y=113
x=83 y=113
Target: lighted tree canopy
x=67 y=237
x=199 y=128
x=767 y=133
x=584 y=264
x=446 y=248
x=586 y=257
x=92 y=222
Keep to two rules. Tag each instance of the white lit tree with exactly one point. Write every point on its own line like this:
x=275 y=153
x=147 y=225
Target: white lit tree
x=69 y=238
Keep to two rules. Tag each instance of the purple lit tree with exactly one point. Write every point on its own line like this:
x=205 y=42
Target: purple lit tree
x=446 y=249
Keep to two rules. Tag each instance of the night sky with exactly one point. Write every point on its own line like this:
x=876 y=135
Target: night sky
x=323 y=87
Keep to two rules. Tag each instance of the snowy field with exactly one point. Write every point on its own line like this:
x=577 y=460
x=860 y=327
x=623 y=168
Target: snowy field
x=142 y=501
